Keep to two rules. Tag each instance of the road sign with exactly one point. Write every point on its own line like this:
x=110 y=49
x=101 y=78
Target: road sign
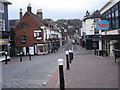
x=102 y=25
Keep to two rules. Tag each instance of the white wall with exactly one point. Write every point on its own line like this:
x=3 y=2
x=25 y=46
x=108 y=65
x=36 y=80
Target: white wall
x=89 y=29
x=24 y=50
x=31 y=50
x=112 y=2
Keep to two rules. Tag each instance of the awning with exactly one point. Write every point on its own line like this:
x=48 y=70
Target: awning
x=111 y=37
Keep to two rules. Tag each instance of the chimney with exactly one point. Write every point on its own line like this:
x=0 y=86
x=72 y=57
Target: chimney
x=29 y=8
x=40 y=14
x=87 y=13
x=20 y=13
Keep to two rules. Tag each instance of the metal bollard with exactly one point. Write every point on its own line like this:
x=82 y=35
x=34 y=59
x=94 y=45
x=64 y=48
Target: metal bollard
x=5 y=57
x=70 y=56
x=61 y=74
x=67 y=60
x=29 y=56
x=20 y=56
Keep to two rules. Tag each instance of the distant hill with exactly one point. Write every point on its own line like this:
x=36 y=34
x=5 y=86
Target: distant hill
x=71 y=25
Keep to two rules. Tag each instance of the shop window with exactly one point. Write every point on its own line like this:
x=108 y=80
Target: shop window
x=2 y=25
x=113 y=15
x=116 y=13
x=117 y=23
x=23 y=38
x=42 y=48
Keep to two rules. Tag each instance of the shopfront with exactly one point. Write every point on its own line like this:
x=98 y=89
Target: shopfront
x=42 y=48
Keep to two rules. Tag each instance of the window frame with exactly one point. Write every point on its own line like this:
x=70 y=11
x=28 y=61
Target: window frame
x=23 y=38
x=1 y=7
x=38 y=34
x=2 y=25
x=24 y=25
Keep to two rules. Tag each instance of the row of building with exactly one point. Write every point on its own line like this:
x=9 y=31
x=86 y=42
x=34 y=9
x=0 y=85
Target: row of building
x=106 y=40
x=35 y=35
x=31 y=34
x=4 y=27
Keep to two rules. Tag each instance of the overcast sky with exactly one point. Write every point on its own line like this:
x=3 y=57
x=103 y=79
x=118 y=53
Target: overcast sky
x=56 y=9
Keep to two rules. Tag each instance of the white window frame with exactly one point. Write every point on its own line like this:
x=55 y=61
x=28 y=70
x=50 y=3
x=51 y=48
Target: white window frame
x=2 y=25
x=36 y=34
x=1 y=7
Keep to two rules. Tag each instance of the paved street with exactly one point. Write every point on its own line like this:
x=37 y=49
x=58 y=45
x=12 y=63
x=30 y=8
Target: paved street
x=89 y=71
x=86 y=71
x=30 y=74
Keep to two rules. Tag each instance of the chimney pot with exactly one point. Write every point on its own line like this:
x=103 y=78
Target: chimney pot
x=21 y=14
x=40 y=14
x=29 y=9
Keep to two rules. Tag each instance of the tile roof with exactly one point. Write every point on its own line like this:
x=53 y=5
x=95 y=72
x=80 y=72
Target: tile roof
x=5 y=1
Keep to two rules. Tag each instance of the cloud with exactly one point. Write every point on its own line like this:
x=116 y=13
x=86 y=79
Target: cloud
x=65 y=7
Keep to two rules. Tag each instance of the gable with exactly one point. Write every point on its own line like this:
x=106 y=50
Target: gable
x=30 y=20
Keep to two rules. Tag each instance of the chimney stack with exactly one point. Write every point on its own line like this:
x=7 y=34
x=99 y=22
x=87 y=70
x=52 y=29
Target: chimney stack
x=29 y=8
x=20 y=13
x=40 y=14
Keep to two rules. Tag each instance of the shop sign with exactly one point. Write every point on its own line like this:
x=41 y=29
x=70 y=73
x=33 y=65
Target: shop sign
x=102 y=25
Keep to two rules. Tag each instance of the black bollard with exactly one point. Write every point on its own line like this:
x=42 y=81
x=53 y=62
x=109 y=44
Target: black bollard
x=67 y=60
x=29 y=56
x=20 y=56
x=70 y=56
x=61 y=74
x=5 y=57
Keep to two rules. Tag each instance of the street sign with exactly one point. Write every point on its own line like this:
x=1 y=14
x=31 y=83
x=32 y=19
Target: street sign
x=102 y=25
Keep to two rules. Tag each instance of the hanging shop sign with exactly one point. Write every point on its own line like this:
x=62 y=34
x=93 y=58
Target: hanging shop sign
x=102 y=25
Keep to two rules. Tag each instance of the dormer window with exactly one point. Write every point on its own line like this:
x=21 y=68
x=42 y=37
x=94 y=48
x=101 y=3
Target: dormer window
x=24 y=25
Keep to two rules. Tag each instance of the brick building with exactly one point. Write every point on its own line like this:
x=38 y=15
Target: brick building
x=32 y=33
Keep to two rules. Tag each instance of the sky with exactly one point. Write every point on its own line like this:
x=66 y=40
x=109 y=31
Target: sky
x=56 y=9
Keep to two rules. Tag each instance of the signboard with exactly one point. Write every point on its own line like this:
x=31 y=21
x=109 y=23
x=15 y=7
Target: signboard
x=102 y=25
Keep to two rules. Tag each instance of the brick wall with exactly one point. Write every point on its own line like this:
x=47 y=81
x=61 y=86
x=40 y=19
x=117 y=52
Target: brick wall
x=32 y=24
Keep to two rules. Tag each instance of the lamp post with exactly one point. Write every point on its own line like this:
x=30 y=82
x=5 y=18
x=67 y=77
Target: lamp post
x=61 y=74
